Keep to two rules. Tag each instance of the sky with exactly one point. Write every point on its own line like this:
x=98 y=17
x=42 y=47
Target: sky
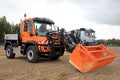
x=100 y=15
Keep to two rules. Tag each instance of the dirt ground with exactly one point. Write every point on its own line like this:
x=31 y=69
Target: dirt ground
x=20 y=69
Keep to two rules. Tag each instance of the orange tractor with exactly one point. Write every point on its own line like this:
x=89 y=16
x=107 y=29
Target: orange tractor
x=38 y=37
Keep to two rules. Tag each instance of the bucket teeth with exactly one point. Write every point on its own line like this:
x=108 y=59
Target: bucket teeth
x=87 y=58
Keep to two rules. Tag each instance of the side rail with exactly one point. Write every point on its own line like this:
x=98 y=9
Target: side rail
x=11 y=39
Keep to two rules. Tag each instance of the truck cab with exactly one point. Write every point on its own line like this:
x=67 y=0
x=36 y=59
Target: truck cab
x=88 y=36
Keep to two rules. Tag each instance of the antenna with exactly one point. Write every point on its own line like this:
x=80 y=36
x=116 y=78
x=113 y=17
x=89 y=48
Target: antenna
x=24 y=15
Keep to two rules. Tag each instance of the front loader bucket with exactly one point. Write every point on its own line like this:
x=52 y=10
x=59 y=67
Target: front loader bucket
x=87 y=58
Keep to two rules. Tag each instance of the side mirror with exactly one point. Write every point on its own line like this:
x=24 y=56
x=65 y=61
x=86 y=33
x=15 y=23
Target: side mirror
x=58 y=29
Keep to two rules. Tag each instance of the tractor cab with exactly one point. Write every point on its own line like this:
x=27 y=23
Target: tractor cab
x=43 y=26
x=37 y=29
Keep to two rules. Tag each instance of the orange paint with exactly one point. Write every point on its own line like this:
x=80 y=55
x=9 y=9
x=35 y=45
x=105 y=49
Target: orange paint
x=87 y=58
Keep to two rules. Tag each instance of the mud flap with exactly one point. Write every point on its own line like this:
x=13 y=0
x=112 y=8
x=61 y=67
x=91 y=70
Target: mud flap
x=87 y=58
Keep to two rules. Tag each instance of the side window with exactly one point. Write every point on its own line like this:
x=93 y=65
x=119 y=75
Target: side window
x=28 y=26
x=25 y=25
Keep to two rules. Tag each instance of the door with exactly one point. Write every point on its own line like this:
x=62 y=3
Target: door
x=26 y=31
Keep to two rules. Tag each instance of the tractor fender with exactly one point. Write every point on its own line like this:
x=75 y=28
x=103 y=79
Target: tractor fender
x=6 y=44
x=29 y=43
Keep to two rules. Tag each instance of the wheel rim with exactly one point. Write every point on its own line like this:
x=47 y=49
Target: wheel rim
x=30 y=54
x=8 y=52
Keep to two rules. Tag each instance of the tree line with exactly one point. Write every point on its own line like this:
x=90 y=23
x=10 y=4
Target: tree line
x=7 y=28
x=109 y=42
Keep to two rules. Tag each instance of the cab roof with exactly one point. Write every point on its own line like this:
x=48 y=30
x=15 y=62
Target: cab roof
x=43 y=20
x=87 y=30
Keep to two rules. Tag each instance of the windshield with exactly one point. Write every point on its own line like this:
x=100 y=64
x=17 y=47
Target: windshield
x=90 y=34
x=43 y=28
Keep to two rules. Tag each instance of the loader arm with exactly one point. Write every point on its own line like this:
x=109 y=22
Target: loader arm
x=66 y=39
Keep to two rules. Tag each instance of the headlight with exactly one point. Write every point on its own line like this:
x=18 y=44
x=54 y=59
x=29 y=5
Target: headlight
x=38 y=41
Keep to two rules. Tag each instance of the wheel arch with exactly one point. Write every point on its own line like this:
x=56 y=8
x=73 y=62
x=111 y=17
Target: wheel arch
x=6 y=44
x=30 y=44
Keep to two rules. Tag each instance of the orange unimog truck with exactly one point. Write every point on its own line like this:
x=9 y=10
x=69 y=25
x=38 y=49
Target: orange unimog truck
x=38 y=37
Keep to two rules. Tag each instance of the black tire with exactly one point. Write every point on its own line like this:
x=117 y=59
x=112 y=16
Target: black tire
x=32 y=55
x=55 y=58
x=9 y=52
